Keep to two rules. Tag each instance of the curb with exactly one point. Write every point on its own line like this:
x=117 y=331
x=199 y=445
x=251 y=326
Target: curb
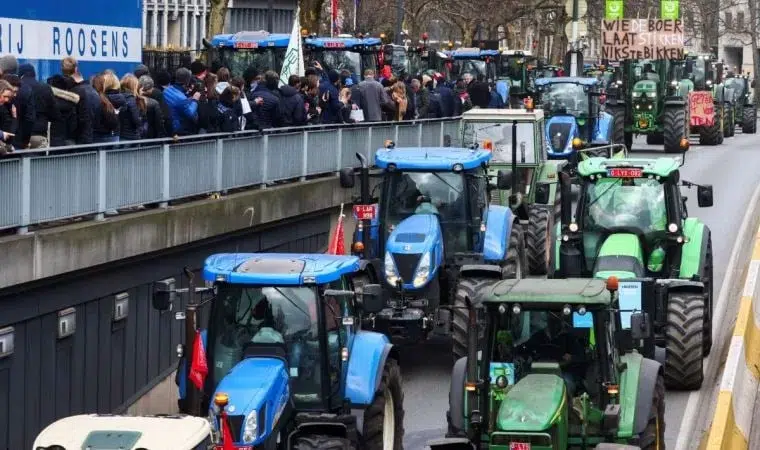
x=732 y=420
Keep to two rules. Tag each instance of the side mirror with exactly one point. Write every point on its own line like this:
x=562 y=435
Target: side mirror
x=504 y=179
x=641 y=328
x=371 y=299
x=542 y=193
x=705 y=196
x=162 y=296
x=347 y=179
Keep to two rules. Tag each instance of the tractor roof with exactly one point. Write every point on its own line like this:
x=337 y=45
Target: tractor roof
x=558 y=80
x=341 y=42
x=431 y=158
x=251 y=40
x=270 y=269
x=504 y=115
x=548 y=293
x=473 y=52
x=658 y=166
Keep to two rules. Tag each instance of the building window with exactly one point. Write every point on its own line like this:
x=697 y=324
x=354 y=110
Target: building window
x=727 y=21
x=740 y=21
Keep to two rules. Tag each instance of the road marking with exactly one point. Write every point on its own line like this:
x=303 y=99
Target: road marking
x=732 y=420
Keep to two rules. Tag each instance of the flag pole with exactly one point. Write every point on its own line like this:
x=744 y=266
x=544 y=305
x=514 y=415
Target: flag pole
x=356 y=11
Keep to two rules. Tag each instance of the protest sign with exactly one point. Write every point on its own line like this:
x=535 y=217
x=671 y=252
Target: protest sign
x=701 y=109
x=642 y=39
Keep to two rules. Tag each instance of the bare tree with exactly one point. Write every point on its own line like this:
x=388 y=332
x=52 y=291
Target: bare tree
x=216 y=17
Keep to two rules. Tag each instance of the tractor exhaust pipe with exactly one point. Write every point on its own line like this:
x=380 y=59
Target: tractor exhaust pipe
x=566 y=201
x=472 y=385
x=514 y=159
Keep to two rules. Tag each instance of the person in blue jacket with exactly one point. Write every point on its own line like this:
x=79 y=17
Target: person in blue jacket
x=329 y=98
x=183 y=109
x=265 y=103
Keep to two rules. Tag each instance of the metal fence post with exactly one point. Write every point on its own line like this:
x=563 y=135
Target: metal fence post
x=102 y=181
x=166 y=177
x=305 y=156
x=369 y=144
x=265 y=161
x=441 y=134
x=26 y=194
x=219 y=165
x=395 y=133
x=419 y=134
x=340 y=149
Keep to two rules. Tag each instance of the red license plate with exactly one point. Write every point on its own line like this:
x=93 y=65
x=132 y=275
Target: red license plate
x=334 y=44
x=519 y=446
x=221 y=447
x=246 y=44
x=624 y=173
x=364 y=212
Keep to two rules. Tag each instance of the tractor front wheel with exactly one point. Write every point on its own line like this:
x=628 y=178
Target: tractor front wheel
x=618 y=125
x=653 y=437
x=383 y=427
x=674 y=128
x=729 y=127
x=466 y=288
x=749 y=120
x=684 y=341
x=320 y=442
x=538 y=239
x=707 y=281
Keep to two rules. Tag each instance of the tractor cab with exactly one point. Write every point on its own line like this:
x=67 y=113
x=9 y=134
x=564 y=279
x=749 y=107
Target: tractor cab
x=409 y=60
x=482 y=64
x=575 y=119
x=746 y=110
x=279 y=329
x=515 y=68
x=259 y=49
x=562 y=371
x=344 y=52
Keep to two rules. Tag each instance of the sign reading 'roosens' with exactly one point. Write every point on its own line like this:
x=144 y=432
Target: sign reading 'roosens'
x=642 y=39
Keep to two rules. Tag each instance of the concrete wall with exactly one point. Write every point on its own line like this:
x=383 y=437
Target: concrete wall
x=57 y=251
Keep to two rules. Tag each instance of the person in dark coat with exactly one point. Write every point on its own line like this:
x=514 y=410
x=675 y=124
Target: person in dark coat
x=63 y=131
x=44 y=105
x=7 y=119
x=154 y=113
x=330 y=98
x=292 y=103
x=130 y=120
x=88 y=100
x=161 y=81
x=265 y=104
x=105 y=124
x=24 y=102
x=229 y=118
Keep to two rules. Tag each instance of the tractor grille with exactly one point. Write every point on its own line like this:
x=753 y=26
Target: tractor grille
x=406 y=264
x=236 y=426
x=561 y=129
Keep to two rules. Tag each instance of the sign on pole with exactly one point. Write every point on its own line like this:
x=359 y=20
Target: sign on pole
x=613 y=9
x=642 y=39
x=669 y=9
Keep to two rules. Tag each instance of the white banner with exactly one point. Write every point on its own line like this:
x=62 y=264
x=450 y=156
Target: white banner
x=293 y=63
x=39 y=39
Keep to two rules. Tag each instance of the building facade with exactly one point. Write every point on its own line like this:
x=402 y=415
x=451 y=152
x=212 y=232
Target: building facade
x=734 y=45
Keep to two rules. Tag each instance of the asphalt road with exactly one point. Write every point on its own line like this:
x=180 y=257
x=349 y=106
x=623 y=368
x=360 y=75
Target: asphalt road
x=732 y=168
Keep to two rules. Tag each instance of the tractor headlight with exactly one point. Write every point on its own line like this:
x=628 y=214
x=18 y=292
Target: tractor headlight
x=652 y=94
x=636 y=94
x=673 y=227
x=674 y=83
x=390 y=270
x=708 y=82
x=423 y=271
x=250 y=428
x=573 y=227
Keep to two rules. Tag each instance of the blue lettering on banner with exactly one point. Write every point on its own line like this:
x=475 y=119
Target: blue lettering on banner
x=69 y=41
x=93 y=43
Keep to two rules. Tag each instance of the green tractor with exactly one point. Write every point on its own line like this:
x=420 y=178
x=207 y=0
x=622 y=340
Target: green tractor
x=516 y=68
x=516 y=138
x=746 y=110
x=554 y=370
x=705 y=74
x=631 y=222
x=646 y=103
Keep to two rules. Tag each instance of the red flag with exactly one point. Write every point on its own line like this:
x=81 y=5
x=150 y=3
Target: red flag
x=199 y=365
x=337 y=243
x=227 y=439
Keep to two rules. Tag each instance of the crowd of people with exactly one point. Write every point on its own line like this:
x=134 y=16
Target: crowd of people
x=68 y=109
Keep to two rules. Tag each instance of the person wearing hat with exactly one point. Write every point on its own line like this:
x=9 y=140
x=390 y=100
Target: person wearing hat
x=44 y=105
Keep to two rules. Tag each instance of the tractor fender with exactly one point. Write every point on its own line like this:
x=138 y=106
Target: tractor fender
x=455 y=415
x=499 y=222
x=370 y=267
x=694 y=251
x=480 y=271
x=368 y=354
x=675 y=101
x=450 y=444
x=679 y=285
x=648 y=373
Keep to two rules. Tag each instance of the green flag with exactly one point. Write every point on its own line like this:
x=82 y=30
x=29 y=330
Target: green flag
x=613 y=10
x=669 y=9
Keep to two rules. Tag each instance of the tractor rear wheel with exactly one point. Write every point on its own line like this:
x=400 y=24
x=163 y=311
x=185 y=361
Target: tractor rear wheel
x=321 y=442
x=684 y=341
x=655 y=139
x=538 y=239
x=707 y=280
x=674 y=128
x=713 y=135
x=729 y=128
x=618 y=125
x=749 y=120
x=653 y=436
x=466 y=288
x=383 y=427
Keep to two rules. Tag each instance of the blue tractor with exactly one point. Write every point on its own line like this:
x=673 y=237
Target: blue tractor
x=284 y=346
x=575 y=119
x=432 y=237
x=355 y=54
x=259 y=49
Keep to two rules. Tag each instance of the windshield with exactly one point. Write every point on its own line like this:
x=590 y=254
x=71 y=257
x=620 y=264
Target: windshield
x=513 y=68
x=565 y=98
x=637 y=203
x=478 y=68
x=699 y=72
x=339 y=60
x=400 y=63
x=737 y=84
x=238 y=60
x=247 y=315
x=500 y=136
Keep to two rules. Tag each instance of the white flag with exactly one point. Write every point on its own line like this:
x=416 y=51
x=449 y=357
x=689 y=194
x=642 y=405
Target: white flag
x=294 y=55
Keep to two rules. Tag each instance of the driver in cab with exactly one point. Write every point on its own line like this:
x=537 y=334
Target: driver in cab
x=556 y=343
x=269 y=329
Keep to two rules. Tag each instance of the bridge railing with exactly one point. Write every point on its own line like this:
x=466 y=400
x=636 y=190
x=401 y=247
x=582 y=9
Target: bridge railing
x=40 y=187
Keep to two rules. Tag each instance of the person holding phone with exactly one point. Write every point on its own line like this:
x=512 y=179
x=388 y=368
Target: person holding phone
x=6 y=123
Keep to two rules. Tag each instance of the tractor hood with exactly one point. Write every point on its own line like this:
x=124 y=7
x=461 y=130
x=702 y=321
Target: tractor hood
x=412 y=239
x=560 y=132
x=620 y=255
x=533 y=404
x=257 y=388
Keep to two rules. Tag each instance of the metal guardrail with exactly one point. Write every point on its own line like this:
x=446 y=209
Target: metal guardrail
x=42 y=186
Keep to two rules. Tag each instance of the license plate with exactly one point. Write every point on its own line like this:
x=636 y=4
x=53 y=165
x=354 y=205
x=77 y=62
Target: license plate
x=221 y=447
x=364 y=212
x=519 y=446
x=624 y=173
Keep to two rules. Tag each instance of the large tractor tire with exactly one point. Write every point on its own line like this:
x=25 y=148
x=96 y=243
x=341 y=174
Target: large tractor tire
x=383 y=427
x=618 y=125
x=460 y=326
x=653 y=436
x=749 y=120
x=320 y=442
x=628 y=141
x=707 y=280
x=729 y=128
x=538 y=238
x=684 y=341
x=655 y=139
x=674 y=128
x=713 y=135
